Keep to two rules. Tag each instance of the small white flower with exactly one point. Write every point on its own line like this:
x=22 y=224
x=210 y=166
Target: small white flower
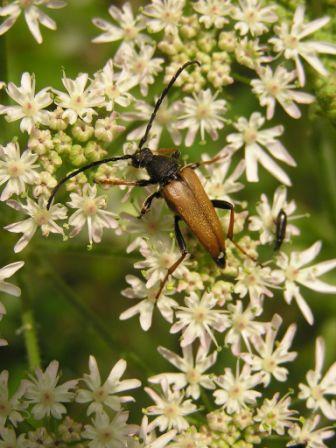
x=213 y=12
x=90 y=211
x=8 y=288
x=98 y=394
x=10 y=440
x=193 y=376
x=42 y=391
x=292 y=269
x=198 y=319
x=253 y=138
x=114 y=85
x=243 y=325
x=278 y=86
x=201 y=113
x=170 y=408
x=274 y=415
x=308 y=435
x=11 y=408
x=30 y=110
x=141 y=65
x=106 y=433
x=164 y=15
x=16 y=169
x=166 y=120
x=80 y=100
x=252 y=17
x=127 y=29
x=290 y=43
x=148 y=438
x=145 y=308
x=319 y=386
x=236 y=391
x=271 y=353
x=265 y=222
x=39 y=216
x=158 y=258
x=33 y=16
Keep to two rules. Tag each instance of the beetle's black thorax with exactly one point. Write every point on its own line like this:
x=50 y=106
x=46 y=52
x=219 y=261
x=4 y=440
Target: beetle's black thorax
x=162 y=169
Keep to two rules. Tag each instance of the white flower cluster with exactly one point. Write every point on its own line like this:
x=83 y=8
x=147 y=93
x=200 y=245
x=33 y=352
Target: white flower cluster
x=222 y=309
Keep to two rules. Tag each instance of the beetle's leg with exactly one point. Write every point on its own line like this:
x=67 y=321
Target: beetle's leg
x=184 y=252
x=228 y=206
x=208 y=162
x=148 y=202
x=280 y=232
x=136 y=183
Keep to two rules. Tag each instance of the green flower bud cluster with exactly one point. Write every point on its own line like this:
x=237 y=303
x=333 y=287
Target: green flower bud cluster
x=325 y=91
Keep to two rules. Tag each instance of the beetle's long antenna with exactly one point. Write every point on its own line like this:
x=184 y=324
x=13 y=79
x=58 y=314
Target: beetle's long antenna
x=80 y=170
x=162 y=97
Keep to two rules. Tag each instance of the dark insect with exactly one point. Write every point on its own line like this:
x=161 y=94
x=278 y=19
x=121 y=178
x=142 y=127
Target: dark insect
x=181 y=189
x=280 y=229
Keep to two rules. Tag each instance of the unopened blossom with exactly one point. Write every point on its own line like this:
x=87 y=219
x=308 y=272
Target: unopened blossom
x=16 y=170
x=271 y=353
x=170 y=409
x=33 y=15
x=318 y=387
x=126 y=28
x=166 y=120
x=100 y=395
x=308 y=434
x=148 y=302
x=278 y=86
x=213 y=12
x=193 y=375
x=295 y=275
x=198 y=319
x=190 y=281
x=109 y=433
x=40 y=141
x=159 y=256
x=90 y=211
x=141 y=64
x=80 y=100
x=265 y=222
x=30 y=109
x=257 y=281
x=290 y=41
x=115 y=85
x=251 y=53
x=203 y=113
x=243 y=325
x=39 y=438
x=39 y=217
x=219 y=184
x=11 y=408
x=106 y=129
x=253 y=139
x=274 y=415
x=252 y=17
x=45 y=395
x=164 y=15
x=237 y=391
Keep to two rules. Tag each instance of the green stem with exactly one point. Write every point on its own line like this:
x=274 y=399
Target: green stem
x=93 y=319
x=29 y=330
x=241 y=78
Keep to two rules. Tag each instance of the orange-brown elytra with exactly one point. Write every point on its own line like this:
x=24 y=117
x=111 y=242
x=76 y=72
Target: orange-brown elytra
x=181 y=189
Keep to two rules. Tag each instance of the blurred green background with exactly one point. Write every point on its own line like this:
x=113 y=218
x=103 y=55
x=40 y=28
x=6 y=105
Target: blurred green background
x=64 y=283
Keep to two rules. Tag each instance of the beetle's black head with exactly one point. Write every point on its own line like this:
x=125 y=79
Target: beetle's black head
x=221 y=260
x=142 y=158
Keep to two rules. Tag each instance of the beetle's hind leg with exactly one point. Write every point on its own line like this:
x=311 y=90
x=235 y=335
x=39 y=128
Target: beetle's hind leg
x=184 y=253
x=131 y=183
x=148 y=202
x=224 y=205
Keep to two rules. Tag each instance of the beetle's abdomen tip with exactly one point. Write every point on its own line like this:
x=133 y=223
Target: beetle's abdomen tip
x=220 y=260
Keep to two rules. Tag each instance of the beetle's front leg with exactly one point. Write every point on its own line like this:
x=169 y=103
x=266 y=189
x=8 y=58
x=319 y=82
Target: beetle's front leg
x=225 y=205
x=148 y=202
x=130 y=183
x=184 y=253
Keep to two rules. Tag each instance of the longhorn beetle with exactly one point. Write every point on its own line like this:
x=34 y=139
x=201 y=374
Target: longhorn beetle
x=181 y=189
